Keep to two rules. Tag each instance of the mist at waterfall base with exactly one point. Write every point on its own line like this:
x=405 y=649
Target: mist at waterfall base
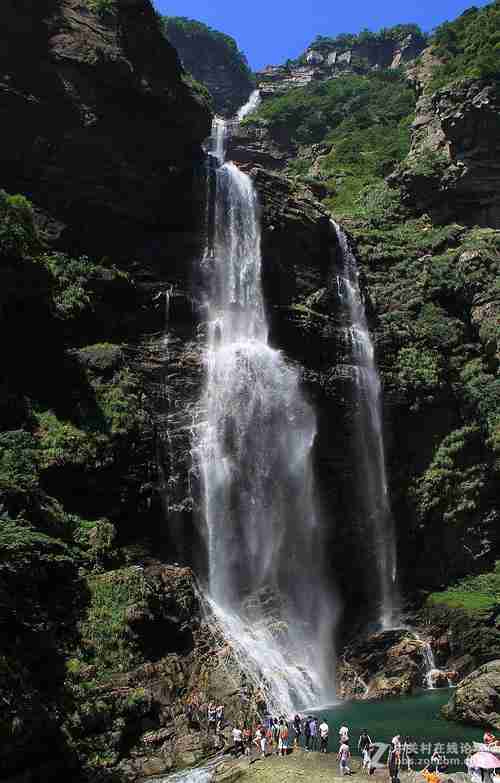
x=371 y=474
x=266 y=584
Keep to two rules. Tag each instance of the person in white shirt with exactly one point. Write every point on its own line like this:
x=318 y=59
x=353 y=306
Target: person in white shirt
x=261 y=740
x=323 y=736
x=343 y=756
x=238 y=740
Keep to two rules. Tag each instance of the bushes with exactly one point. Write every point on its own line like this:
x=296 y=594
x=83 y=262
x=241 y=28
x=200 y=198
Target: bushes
x=102 y=7
x=17 y=229
x=469 y=47
x=451 y=488
x=107 y=642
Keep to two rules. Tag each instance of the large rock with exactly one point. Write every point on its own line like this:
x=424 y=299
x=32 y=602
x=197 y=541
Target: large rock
x=477 y=699
x=385 y=664
x=453 y=169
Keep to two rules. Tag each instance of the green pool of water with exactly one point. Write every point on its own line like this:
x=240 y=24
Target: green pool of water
x=416 y=716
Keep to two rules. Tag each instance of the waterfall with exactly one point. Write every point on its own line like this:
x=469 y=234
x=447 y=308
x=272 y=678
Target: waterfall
x=371 y=478
x=250 y=106
x=264 y=542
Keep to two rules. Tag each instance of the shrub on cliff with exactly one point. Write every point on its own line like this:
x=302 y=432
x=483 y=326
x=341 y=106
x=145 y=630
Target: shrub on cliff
x=18 y=236
x=468 y=47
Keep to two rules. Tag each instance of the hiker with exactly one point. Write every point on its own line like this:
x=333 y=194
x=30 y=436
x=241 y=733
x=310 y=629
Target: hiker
x=313 y=729
x=247 y=742
x=297 y=730
x=238 y=741
x=343 y=734
x=270 y=736
x=394 y=761
x=283 y=737
x=211 y=715
x=343 y=756
x=364 y=743
x=323 y=736
x=371 y=752
x=307 y=733
x=276 y=735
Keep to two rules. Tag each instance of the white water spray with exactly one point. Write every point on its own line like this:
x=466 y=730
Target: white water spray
x=265 y=549
x=372 y=478
x=250 y=106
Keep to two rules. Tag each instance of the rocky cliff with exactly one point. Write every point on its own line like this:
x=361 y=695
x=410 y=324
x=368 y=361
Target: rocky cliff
x=103 y=133
x=214 y=60
x=328 y=58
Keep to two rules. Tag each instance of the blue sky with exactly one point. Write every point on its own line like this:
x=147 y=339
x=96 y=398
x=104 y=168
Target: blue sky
x=270 y=31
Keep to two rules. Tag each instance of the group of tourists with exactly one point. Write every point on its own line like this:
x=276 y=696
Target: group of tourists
x=268 y=737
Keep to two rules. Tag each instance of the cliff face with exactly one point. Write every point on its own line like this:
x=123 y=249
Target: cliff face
x=326 y=60
x=103 y=133
x=107 y=119
x=214 y=60
x=452 y=168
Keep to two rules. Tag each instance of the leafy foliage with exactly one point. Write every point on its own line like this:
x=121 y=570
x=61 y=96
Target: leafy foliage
x=102 y=7
x=468 y=47
x=349 y=40
x=17 y=229
x=107 y=642
x=363 y=121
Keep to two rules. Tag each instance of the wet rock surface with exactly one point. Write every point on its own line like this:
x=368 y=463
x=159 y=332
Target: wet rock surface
x=389 y=663
x=477 y=698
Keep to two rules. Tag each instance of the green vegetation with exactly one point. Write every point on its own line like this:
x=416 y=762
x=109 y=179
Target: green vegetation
x=468 y=47
x=363 y=121
x=17 y=230
x=475 y=593
x=180 y=28
x=349 y=40
x=102 y=7
x=107 y=642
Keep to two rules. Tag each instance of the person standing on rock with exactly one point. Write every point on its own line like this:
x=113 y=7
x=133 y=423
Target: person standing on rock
x=324 y=731
x=343 y=756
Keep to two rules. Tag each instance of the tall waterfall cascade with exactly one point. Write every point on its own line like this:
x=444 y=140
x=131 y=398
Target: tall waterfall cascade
x=266 y=581
x=372 y=474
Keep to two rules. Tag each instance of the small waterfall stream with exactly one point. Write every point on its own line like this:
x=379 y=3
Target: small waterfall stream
x=266 y=583
x=371 y=468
